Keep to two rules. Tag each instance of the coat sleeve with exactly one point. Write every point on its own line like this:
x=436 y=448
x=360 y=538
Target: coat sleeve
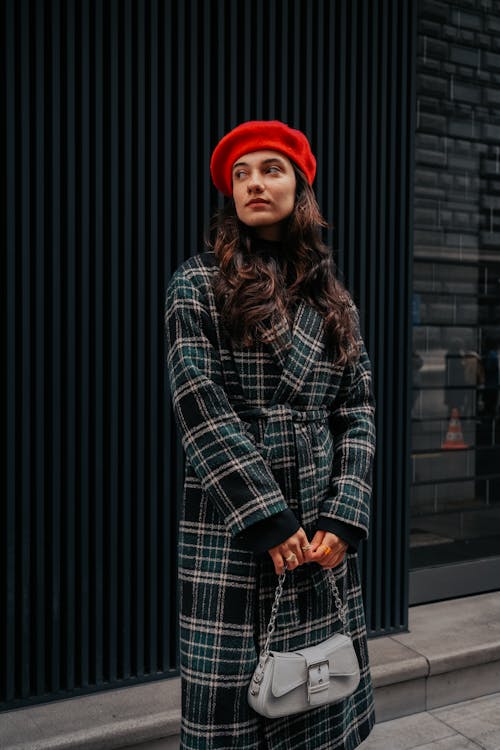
x=353 y=428
x=230 y=468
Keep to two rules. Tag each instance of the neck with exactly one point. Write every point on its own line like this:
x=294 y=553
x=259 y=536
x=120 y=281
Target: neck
x=274 y=233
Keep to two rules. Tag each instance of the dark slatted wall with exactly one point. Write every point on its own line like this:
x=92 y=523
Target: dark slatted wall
x=109 y=113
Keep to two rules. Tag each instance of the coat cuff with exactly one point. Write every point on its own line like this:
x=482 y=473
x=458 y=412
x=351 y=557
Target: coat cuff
x=267 y=533
x=346 y=531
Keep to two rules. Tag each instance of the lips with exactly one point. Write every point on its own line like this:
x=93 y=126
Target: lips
x=257 y=202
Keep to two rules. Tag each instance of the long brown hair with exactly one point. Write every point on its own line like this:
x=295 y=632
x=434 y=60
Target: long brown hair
x=254 y=289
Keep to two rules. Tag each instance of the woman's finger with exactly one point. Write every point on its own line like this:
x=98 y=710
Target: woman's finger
x=305 y=546
x=331 y=562
x=334 y=559
x=321 y=553
x=317 y=540
x=292 y=555
x=277 y=559
x=295 y=543
x=330 y=543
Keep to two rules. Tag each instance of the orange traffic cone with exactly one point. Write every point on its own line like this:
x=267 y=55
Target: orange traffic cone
x=454 y=436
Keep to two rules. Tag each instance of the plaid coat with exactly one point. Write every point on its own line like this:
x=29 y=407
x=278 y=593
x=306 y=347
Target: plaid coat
x=275 y=427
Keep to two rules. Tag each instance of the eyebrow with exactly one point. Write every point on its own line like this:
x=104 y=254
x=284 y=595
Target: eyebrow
x=266 y=161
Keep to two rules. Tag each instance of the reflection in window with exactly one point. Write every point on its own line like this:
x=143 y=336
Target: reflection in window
x=455 y=495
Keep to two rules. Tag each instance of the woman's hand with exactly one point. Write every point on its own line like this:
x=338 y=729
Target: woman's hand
x=291 y=546
x=328 y=550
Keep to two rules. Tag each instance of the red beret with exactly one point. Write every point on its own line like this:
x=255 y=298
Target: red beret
x=257 y=135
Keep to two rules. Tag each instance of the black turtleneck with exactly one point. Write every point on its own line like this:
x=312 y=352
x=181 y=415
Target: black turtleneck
x=276 y=250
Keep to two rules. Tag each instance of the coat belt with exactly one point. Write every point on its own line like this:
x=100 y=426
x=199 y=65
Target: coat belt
x=318 y=414
x=288 y=449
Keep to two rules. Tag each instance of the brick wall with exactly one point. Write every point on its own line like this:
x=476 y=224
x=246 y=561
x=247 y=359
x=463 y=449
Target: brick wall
x=457 y=176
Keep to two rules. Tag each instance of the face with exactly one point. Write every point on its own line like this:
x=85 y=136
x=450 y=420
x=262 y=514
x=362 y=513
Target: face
x=264 y=191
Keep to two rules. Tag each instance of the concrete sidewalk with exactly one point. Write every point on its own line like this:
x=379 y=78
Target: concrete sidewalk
x=470 y=725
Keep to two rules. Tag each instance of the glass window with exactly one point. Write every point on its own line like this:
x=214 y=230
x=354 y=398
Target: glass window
x=455 y=493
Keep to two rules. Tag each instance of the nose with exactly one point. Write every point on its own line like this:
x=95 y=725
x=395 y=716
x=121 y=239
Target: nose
x=254 y=183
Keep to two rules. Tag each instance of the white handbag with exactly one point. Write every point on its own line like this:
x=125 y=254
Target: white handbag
x=290 y=682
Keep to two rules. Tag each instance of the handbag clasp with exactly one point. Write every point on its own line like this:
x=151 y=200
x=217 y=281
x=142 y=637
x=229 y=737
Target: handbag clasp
x=318 y=682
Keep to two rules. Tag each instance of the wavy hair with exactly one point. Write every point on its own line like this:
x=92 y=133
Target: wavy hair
x=256 y=287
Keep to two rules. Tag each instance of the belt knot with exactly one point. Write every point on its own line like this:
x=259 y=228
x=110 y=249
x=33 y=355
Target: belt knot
x=286 y=410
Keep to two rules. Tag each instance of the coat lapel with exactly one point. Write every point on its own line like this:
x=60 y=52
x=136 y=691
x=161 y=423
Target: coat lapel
x=280 y=344
x=305 y=347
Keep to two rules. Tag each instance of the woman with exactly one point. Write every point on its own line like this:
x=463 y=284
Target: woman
x=271 y=389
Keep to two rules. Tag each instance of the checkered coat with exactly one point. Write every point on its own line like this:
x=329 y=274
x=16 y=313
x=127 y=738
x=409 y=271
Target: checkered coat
x=274 y=427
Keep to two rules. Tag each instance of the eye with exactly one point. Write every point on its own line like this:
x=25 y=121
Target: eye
x=274 y=169
x=239 y=174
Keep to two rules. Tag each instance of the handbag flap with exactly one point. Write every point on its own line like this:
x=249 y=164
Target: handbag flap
x=290 y=668
x=289 y=672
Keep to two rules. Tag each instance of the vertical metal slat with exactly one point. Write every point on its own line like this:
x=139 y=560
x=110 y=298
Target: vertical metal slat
x=112 y=145
x=97 y=327
x=11 y=644
x=140 y=350
x=85 y=396
x=40 y=589
x=168 y=593
x=126 y=557
x=55 y=327
x=70 y=657
x=155 y=327
x=23 y=404
x=380 y=355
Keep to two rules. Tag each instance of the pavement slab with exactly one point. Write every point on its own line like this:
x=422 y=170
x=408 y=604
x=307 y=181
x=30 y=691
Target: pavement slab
x=452 y=638
x=469 y=725
x=391 y=662
x=104 y=720
x=478 y=719
x=450 y=743
x=407 y=733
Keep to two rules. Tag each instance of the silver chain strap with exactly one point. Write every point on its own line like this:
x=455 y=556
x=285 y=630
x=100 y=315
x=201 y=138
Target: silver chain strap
x=271 y=627
x=341 y=608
